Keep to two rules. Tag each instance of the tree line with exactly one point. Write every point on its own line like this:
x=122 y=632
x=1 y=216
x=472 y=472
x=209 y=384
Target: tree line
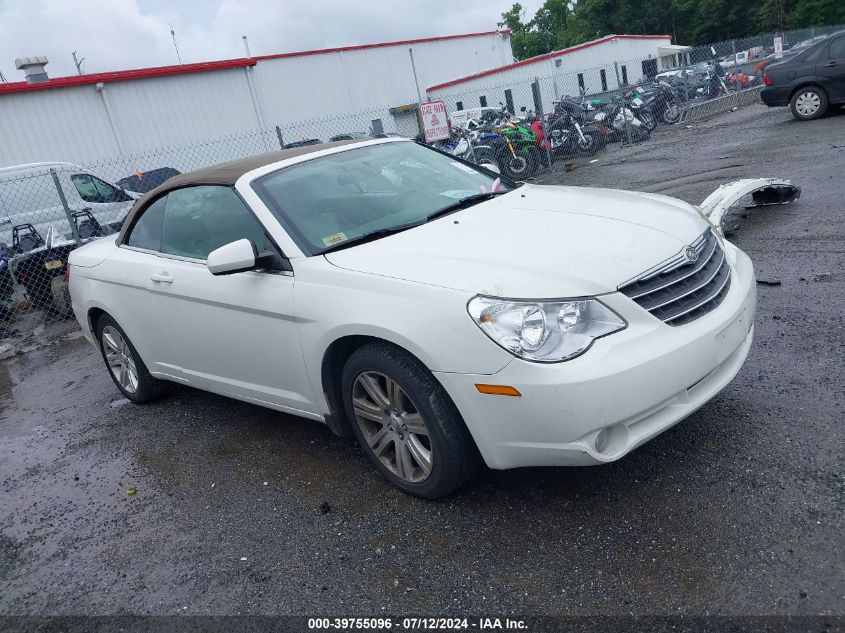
x=562 y=23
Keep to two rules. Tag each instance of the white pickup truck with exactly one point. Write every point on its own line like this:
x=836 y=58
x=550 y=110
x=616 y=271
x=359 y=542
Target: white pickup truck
x=38 y=228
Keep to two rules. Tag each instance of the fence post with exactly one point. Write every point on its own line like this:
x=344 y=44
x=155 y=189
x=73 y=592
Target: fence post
x=538 y=110
x=279 y=135
x=685 y=61
x=624 y=105
x=65 y=206
x=736 y=86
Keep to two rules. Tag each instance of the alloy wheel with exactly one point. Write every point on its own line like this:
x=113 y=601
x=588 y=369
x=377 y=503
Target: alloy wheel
x=119 y=359
x=392 y=426
x=807 y=103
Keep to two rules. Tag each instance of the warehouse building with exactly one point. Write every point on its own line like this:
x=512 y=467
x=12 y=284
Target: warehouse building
x=308 y=94
x=594 y=67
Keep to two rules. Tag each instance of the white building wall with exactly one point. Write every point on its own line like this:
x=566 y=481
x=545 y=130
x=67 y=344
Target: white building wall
x=558 y=74
x=314 y=95
x=68 y=122
x=306 y=95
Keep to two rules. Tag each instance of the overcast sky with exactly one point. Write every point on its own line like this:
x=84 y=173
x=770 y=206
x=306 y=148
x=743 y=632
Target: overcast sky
x=118 y=34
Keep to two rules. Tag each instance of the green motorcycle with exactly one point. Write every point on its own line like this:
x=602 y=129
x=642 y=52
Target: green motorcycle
x=519 y=156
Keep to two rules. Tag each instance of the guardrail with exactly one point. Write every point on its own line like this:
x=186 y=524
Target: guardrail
x=706 y=109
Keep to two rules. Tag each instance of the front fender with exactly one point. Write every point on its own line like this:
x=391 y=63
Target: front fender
x=764 y=191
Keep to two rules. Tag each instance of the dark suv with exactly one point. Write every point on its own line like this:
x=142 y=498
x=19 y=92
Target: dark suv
x=810 y=81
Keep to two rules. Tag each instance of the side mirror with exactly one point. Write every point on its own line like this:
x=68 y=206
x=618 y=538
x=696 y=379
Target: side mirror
x=234 y=257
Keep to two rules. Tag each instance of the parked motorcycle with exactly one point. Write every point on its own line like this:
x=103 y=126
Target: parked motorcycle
x=570 y=134
x=635 y=101
x=619 y=120
x=481 y=149
x=665 y=102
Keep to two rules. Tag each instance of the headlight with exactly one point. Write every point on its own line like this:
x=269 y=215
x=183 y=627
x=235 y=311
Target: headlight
x=547 y=331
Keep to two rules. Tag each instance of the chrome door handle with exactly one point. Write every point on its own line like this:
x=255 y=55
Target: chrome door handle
x=828 y=64
x=164 y=278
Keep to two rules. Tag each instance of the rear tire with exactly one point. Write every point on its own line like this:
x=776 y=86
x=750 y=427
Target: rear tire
x=406 y=423
x=487 y=159
x=124 y=364
x=808 y=103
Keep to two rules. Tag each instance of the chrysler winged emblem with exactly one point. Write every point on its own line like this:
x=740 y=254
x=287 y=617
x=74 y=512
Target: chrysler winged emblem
x=692 y=254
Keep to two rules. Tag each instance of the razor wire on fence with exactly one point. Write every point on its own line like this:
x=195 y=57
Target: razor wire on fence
x=517 y=125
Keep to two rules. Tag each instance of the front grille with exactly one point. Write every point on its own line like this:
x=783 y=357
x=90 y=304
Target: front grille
x=678 y=290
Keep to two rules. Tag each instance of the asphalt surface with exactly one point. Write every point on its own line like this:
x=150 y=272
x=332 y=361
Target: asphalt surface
x=241 y=510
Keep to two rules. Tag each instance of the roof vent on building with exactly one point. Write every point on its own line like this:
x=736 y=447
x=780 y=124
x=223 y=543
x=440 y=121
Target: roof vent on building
x=33 y=67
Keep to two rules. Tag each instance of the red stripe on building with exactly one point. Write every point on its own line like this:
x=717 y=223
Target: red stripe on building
x=361 y=47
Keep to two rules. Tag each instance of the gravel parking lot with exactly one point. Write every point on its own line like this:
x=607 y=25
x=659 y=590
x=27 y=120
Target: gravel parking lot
x=241 y=510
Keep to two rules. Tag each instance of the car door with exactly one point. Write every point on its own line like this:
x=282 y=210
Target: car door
x=232 y=334
x=831 y=68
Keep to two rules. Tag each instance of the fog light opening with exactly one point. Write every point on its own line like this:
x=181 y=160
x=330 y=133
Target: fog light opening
x=611 y=440
x=601 y=441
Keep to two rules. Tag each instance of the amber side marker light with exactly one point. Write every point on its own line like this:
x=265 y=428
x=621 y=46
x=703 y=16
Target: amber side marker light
x=498 y=390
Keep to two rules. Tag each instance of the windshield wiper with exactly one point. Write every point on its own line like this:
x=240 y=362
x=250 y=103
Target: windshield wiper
x=369 y=237
x=463 y=203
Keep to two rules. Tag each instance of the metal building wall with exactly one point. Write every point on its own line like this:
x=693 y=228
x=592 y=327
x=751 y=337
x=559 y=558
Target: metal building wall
x=556 y=79
x=367 y=82
x=54 y=124
x=82 y=124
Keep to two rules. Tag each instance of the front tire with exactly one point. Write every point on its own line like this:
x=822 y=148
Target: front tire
x=647 y=118
x=672 y=113
x=808 y=103
x=592 y=143
x=125 y=366
x=519 y=166
x=406 y=423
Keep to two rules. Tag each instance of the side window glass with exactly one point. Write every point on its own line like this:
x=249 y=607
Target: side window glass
x=198 y=220
x=92 y=189
x=837 y=48
x=109 y=193
x=84 y=184
x=147 y=230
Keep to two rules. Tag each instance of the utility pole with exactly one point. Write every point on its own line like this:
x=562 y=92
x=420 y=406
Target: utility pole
x=173 y=35
x=77 y=63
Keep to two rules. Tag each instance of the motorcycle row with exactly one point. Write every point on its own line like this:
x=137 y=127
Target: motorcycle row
x=520 y=146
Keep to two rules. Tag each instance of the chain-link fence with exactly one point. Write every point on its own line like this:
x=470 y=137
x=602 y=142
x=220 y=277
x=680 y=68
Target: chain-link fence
x=514 y=124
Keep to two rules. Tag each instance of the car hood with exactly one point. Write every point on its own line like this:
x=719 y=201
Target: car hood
x=535 y=242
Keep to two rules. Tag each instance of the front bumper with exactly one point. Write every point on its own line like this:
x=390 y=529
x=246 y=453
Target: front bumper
x=631 y=385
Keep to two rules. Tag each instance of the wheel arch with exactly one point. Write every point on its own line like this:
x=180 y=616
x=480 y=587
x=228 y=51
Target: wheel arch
x=93 y=315
x=808 y=83
x=331 y=372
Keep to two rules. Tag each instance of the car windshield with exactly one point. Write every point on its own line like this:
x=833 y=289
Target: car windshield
x=368 y=191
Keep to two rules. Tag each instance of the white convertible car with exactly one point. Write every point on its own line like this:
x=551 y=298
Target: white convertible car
x=442 y=316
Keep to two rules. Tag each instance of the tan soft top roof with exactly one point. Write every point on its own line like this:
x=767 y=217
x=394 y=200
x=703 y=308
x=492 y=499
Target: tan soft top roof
x=225 y=174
